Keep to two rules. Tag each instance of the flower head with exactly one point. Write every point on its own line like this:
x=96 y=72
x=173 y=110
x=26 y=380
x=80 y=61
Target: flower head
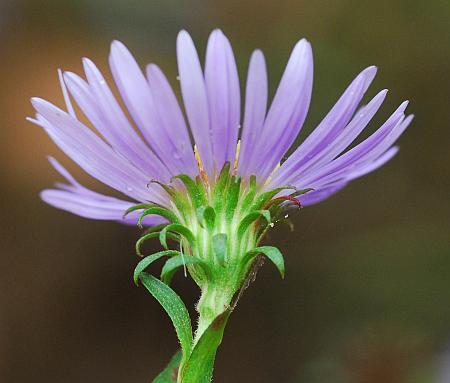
x=117 y=155
x=211 y=174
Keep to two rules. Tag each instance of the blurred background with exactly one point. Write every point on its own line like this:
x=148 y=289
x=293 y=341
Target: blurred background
x=367 y=293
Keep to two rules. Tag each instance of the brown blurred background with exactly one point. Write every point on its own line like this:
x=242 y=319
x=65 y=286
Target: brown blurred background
x=367 y=293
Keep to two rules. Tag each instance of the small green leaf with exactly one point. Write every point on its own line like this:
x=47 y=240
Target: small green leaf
x=148 y=236
x=270 y=252
x=249 y=219
x=206 y=217
x=173 y=264
x=174 y=307
x=156 y=210
x=170 y=373
x=199 y=367
x=147 y=261
x=177 y=228
x=220 y=244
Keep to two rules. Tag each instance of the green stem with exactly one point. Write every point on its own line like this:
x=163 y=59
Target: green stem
x=213 y=302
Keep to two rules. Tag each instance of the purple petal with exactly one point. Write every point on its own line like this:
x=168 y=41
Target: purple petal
x=340 y=143
x=321 y=194
x=84 y=202
x=171 y=118
x=93 y=155
x=369 y=147
x=194 y=96
x=136 y=94
x=334 y=122
x=95 y=207
x=100 y=107
x=223 y=93
x=287 y=112
x=255 y=109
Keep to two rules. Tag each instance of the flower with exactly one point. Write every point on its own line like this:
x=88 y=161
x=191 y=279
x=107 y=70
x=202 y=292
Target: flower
x=126 y=162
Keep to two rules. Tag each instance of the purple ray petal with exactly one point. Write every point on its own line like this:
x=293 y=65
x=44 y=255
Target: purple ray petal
x=223 y=93
x=95 y=207
x=76 y=198
x=92 y=154
x=329 y=127
x=99 y=106
x=171 y=117
x=287 y=112
x=320 y=195
x=136 y=94
x=357 y=154
x=255 y=109
x=194 y=96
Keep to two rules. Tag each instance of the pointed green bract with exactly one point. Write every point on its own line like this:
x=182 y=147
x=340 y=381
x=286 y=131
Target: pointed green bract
x=206 y=217
x=156 y=210
x=174 y=307
x=220 y=244
x=249 y=219
x=148 y=236
x=177 y=228
x=147 y=261
x=173 y=264
x=195 y=192
x=270 y=252
x=233 y=197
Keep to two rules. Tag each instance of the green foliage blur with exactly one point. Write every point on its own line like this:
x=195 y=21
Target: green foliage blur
x=366 y=297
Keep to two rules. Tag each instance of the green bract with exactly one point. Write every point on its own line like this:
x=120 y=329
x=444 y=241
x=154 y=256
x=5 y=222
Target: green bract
x=217 y=225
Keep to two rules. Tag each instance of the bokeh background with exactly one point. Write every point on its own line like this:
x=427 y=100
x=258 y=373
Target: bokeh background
x=367 y=293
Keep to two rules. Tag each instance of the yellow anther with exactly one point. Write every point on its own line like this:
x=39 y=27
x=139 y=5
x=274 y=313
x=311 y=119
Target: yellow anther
x=271 y=174
x=203 y=174
x=236 y=158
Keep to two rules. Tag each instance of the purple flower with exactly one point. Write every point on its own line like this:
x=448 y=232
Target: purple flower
x=155 y=143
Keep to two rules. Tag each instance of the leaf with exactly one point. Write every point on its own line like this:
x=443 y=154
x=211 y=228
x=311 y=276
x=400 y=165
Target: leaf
x=174 y=307
x=270 y=252
x=170 y=373
x=156 y=210
x=147 y=261
x=249 y=219
x=173 y=264
x=220 y=243
x=206 y=217
x=177 y=228
x=199 y=367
